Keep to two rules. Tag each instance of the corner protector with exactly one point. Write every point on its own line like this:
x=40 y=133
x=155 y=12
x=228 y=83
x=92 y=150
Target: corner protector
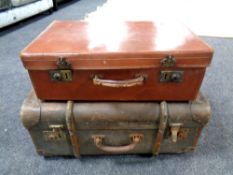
x=200 y=109
x=30 y=112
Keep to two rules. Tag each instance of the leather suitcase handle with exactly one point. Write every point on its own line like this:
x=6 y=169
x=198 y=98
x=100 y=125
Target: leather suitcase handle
x=135 y=140
x=119 y=83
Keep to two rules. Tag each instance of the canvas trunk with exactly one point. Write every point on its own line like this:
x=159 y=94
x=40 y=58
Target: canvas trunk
x=117 y=61
x=84 y=128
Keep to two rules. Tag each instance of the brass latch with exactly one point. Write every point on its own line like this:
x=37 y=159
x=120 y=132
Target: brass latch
x=63 y=72
x=175 y=127
x=55 y=134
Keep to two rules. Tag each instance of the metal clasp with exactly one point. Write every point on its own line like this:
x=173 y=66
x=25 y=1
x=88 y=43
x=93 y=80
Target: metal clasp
x=175 y=127
x=63 y=72
x=55 y=134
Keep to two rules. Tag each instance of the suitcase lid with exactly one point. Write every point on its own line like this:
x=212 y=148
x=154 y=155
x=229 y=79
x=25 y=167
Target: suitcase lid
x=117 y=45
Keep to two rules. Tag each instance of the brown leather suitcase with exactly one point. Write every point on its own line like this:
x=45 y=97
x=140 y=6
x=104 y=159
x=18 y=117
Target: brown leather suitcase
x=84 y=128
x=143 y=61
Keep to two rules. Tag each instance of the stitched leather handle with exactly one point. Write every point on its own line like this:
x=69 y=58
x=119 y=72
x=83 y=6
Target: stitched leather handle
x=139 y=80
x=135 y=140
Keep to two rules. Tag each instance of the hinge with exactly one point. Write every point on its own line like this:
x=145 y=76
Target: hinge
x=63 y=71
x=62 y=63
x=168 y=61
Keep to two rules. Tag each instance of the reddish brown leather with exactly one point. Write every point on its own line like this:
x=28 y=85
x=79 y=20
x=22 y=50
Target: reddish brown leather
x=82 y=87
x=118 y=52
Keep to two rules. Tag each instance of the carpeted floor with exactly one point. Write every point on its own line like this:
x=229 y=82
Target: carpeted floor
x=214 y=154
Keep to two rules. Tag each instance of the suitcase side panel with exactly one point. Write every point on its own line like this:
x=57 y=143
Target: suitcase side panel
x=84 y=87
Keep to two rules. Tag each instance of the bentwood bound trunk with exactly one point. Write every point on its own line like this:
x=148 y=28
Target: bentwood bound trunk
x=136 y=61
x=91 y=128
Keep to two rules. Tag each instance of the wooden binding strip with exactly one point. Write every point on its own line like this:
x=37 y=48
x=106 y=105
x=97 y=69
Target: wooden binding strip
x=162 y=127
x=70 y=122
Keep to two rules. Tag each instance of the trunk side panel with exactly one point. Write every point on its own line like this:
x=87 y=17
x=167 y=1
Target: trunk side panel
x=193 y=117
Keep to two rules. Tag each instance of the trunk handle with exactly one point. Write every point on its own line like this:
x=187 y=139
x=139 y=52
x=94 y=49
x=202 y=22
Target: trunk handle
x=138 y=80
x=135 y=140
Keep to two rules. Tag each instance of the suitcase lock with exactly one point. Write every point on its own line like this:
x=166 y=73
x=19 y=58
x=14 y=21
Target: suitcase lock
x=63 y=72
x=55 y=134
x=171 y=76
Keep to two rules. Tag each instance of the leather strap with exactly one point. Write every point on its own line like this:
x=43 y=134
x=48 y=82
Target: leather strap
x=70 y=122
x=162 y=127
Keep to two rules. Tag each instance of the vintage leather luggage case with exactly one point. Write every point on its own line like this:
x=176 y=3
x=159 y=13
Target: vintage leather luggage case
x=60 y=128
x=141 y=61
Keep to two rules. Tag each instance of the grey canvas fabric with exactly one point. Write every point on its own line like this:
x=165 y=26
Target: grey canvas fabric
x=214 y=154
